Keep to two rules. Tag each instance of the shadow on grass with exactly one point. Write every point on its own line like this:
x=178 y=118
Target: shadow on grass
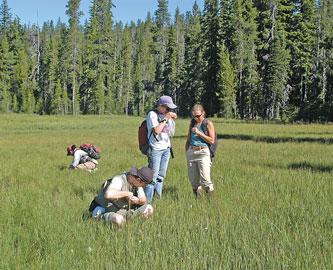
x=270 y=139
x=305 y=166
x=310 y=167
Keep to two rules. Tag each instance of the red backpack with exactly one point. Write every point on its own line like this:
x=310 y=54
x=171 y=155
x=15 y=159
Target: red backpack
x=143 y=137
x=92 y=151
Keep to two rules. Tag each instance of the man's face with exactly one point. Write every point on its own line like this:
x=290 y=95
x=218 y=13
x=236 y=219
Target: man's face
x=136 y=181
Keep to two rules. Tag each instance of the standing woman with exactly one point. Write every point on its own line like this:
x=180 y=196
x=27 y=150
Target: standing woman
x=200 y=136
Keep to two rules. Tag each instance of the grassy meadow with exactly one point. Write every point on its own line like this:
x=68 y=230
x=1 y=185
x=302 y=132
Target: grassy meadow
x=273 y=206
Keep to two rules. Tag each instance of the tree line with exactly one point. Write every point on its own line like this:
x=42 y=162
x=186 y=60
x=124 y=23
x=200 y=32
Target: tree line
x=248 y=59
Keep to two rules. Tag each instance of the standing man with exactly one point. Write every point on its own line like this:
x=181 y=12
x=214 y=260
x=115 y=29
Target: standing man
x=160 y=126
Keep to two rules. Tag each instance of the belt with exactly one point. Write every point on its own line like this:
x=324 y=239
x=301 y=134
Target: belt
x=199 y=147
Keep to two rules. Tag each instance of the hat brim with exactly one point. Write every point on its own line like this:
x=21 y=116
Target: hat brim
x=135 y=172
x=170 y=105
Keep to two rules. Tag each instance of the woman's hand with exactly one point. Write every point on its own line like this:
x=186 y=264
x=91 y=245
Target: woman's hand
x=196 y=130
x=171 y=115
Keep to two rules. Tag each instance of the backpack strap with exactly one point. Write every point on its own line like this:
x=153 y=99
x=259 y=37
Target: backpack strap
x=106 y=184
x=192 y=123
x=152 y=132
x=205 y=126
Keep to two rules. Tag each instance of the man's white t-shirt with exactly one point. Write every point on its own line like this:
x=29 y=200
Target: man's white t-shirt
x=162 y=140
x=120 y=183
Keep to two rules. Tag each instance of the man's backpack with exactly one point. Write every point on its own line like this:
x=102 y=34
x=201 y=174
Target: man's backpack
x=144 y=138
x=92 y=151
x=212 y=147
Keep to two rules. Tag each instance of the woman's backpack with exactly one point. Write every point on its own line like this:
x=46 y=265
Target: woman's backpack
x=143 y=137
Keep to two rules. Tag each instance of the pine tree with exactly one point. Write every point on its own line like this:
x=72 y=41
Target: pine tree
x=64 y=100
x=302 y=48
x=162 y=22
x=57 y=100
x=144 y=73
x=6 y=65
x=321 y=87
x=226 y=90
x=63 y=65
x=24 y=86
x=74 y=15
x=277 y=76
x=16 y=42
x=227 y=26
x=192 y=87
x=171 y=62
x=98 y=58
x=245 y=59
x=126 y=56
x=5 y=18
x=211 y=34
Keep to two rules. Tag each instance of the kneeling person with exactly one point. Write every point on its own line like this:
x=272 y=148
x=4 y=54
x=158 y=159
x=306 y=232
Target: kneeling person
x=81 y=159
x=123 y=196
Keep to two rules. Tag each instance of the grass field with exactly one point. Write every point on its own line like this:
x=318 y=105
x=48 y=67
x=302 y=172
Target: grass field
x=273 y=207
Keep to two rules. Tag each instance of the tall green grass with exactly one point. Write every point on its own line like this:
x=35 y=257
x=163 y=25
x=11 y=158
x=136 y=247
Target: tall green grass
x=273 y=206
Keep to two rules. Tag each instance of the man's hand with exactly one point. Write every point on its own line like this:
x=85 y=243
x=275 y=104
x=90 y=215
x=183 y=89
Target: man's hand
x=134 y=200
x=129 y=195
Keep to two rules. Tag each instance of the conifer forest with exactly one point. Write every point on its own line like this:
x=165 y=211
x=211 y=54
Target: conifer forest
x=244 y=59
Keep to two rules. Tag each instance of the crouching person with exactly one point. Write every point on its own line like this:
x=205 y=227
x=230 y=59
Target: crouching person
x=123 y=197
x=81 y=159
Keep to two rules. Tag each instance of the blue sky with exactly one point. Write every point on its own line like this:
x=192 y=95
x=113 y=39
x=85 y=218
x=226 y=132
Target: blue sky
x=126 y=10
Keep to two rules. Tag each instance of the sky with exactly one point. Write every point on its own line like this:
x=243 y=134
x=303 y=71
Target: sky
x=126 y=10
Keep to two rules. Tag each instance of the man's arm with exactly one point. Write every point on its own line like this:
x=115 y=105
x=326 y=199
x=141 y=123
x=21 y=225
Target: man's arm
x=113 y=194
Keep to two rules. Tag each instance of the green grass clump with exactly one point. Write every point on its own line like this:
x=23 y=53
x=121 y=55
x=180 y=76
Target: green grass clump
x=273 y=206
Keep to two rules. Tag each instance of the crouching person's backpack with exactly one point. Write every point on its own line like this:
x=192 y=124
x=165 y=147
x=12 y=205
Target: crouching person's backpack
x=92 y=151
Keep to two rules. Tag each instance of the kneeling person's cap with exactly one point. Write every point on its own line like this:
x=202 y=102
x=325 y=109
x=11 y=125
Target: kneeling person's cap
x=145 y=174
